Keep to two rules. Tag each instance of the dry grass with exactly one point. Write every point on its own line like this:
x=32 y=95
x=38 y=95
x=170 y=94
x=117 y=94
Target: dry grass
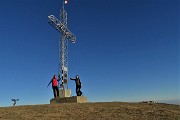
x=92 y=111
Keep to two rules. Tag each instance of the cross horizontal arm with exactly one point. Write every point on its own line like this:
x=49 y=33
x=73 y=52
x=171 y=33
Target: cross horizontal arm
x=53 y=21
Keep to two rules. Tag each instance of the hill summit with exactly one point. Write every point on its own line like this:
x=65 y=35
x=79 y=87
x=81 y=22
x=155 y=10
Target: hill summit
x=92 y=111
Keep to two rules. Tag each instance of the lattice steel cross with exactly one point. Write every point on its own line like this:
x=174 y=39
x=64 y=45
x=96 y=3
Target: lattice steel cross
x=61 y=26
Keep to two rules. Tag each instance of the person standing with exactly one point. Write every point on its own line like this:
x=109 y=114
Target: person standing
x=54 y=83
x=78 y=85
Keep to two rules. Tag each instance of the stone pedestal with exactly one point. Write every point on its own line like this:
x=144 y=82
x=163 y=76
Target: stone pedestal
x=74 y=99
x=64 y=93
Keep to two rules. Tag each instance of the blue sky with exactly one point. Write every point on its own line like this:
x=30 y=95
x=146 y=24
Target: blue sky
x=126 y=50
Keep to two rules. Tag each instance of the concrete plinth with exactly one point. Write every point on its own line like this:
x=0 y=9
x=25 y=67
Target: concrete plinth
x=74 y=99
x=64 y=93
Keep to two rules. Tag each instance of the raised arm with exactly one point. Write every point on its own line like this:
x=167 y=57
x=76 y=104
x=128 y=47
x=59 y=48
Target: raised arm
x=49 y=83
x=59 y=78
x=72 y=79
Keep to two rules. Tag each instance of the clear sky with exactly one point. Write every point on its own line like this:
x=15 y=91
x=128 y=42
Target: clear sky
x=126 y=50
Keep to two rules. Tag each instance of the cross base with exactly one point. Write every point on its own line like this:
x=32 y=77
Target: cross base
x=64 y=93
x=74 y=99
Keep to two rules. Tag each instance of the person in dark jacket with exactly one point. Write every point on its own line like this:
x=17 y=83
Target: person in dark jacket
x=54 y=83
x=78 y=85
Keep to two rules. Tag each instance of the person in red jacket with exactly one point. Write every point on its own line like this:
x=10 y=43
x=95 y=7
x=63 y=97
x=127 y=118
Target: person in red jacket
x=54 y=83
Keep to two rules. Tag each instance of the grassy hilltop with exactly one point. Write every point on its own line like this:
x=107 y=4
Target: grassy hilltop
x=92 y=111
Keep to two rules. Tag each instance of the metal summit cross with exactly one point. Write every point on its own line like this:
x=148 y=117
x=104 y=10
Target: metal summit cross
x=66 y=34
